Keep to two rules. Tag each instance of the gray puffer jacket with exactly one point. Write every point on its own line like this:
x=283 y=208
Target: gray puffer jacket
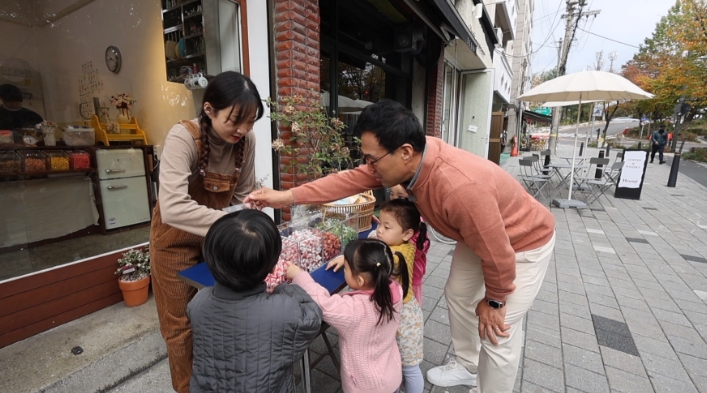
x=250 y=341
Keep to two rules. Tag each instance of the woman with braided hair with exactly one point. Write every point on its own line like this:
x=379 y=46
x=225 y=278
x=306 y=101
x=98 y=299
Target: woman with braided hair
x=207 y=164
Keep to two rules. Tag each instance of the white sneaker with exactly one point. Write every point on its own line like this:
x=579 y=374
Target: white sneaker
x=451 y=374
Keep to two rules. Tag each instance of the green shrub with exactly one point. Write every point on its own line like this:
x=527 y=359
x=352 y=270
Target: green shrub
x=696 y=154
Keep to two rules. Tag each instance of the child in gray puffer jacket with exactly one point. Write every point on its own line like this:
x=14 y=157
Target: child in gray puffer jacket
x=245 y=339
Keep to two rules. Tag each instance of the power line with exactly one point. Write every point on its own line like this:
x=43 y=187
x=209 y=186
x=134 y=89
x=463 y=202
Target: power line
x=610 y=39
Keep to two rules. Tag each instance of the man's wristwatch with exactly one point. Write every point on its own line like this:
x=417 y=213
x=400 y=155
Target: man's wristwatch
x=495 y=304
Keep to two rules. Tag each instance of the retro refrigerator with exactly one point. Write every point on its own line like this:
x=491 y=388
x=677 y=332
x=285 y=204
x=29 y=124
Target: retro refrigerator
x=121 y=174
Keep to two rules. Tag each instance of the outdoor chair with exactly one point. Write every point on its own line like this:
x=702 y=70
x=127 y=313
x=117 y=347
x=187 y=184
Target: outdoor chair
x=533 y=183
x=589 y=184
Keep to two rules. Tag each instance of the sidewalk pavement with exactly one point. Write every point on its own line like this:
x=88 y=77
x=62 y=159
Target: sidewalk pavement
x=622 y=309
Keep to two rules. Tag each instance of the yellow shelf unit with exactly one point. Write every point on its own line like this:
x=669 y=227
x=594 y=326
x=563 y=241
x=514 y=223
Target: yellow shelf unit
x=136 y=133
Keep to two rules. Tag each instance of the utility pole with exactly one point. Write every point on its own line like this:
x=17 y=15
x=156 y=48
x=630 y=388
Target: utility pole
x=600 y=61
x=572 y=16
x=612 y=56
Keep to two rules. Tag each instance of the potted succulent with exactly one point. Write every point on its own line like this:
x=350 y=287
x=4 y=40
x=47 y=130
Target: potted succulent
x=134 y=280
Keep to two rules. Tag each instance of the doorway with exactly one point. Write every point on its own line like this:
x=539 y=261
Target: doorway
x=475 y=111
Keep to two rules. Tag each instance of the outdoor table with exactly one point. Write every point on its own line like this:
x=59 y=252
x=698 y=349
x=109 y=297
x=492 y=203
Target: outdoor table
x=199 y=276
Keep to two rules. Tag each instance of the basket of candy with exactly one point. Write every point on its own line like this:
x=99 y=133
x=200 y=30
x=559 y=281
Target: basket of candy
x=362 y=205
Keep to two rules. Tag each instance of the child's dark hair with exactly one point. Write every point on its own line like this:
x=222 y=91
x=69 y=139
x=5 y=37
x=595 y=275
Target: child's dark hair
x=242 y=248
x=227 y=89
x=407 y=215
x=374 y=258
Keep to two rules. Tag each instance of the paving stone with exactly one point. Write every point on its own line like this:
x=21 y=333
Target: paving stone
x=675 y=330
x=543 y=375
x=585 y=380
x=693 y=365
x=428 y=303
x=546 y=295
x=440 y=315
x=543 y=335
x=606 y=312
x=579 y=339
x=436 y=282
x=544 y=320
x=623 y=361
x=573 y=298
x=438 y=332
x=664 y=384
x=434 y=352
x=434 y=293
x=581 y=311
x=632 y=303
x=577 y=323
x=543 y=353
x=528 y=387
x=545 y=307
x=621 y=381
x=673 y=317
x=583 y=358
x=690 y=347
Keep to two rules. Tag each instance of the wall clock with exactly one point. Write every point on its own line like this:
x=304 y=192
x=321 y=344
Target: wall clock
x=113 y=59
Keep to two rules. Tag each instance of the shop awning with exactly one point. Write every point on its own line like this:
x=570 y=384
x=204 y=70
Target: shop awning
x=533 y=116
x=457 y=23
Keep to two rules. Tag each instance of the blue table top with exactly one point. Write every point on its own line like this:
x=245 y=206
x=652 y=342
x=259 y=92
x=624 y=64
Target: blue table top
x=200 y=277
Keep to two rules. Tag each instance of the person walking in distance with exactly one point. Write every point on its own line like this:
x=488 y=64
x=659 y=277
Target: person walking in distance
x=659 y=139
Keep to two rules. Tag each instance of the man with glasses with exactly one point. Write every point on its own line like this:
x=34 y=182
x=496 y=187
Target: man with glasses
x=504 y=236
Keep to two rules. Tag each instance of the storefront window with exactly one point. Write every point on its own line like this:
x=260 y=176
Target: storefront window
x=84 y=185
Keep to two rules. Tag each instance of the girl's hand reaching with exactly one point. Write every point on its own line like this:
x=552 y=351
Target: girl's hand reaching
x=292 y=270
x=336 y=263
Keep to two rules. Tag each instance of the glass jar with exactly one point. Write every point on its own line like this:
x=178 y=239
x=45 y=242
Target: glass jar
x=57 y=160
x=10 y=162
x=33 y=161
x=79 y=159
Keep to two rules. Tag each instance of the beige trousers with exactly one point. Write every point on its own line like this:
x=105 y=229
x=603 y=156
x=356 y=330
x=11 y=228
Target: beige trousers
x=495 y=365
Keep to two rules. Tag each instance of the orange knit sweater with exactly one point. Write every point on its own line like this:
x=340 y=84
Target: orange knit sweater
x=465 y=197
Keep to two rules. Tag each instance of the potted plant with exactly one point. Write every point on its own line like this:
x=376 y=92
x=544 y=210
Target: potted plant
x=314 y=147
x=314 y=144
x=134 y=280
x=123 y=102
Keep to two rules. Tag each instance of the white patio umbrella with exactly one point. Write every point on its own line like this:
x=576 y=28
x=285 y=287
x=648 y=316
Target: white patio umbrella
x=346 y=104
x=584 y=86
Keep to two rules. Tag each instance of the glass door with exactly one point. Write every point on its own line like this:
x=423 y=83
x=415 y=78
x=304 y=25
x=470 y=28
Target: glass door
x=448 y=112
x=475 y=104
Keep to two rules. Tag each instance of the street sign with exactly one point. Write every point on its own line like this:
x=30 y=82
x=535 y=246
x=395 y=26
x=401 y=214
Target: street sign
x=543 y=110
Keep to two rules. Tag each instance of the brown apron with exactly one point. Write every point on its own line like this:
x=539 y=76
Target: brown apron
x=173 y=250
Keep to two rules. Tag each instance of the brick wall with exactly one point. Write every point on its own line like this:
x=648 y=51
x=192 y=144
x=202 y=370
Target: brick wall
x=297 y=51
x=435 y=90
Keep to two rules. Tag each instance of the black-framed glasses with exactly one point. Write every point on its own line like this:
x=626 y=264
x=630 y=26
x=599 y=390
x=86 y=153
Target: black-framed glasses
x=373 y=162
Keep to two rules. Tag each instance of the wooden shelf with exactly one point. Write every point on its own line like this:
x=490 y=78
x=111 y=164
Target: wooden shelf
x=45 y=173
x=173 y=29
x=192 y=15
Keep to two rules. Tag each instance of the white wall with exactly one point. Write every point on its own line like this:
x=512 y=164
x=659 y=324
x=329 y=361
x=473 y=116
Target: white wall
x=260 y=74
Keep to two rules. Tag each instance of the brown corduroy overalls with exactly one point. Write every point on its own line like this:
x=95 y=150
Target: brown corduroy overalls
x=173 y=250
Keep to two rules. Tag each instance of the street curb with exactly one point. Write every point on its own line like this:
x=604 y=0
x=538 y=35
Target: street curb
x=115 y=368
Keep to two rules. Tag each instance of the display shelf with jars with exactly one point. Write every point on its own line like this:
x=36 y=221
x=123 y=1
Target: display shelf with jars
x=37 y=162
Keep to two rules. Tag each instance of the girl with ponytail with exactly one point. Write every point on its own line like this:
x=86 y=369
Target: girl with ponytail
x=399 y=222
x=207 y=164
x=365 y=318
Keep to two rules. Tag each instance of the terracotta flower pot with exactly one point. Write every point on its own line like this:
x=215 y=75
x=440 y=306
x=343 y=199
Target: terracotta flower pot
x=135 y=293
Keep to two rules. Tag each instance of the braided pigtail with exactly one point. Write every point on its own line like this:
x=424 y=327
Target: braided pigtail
x=205 y=123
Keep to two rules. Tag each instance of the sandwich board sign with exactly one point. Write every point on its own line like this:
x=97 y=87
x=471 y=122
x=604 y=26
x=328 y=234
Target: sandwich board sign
x=633 y=172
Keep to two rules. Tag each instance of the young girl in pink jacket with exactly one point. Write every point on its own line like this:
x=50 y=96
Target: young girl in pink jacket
x=365 y=318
